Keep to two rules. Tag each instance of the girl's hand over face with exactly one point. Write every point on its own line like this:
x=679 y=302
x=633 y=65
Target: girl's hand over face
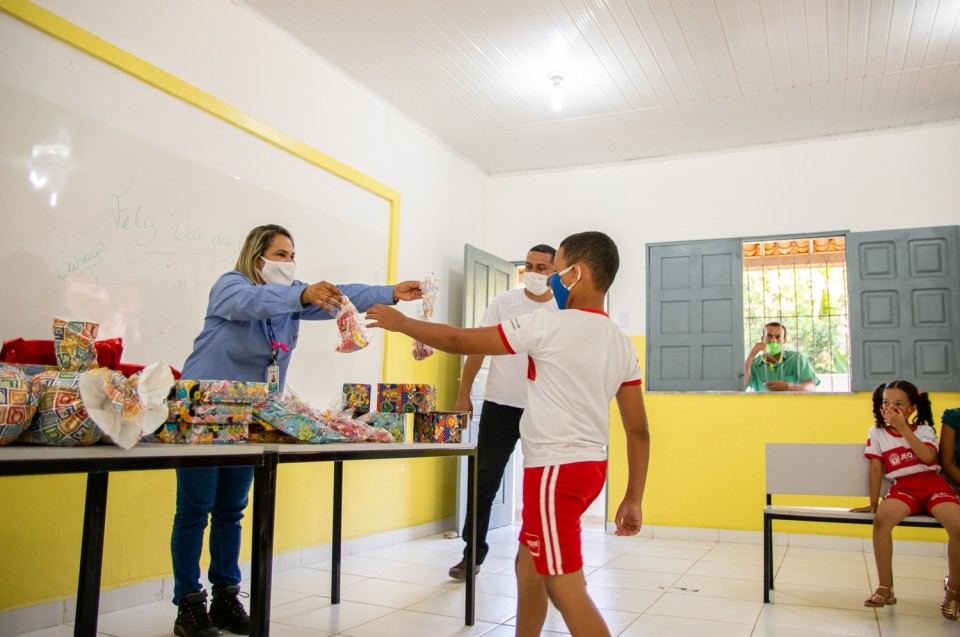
x=895 y=418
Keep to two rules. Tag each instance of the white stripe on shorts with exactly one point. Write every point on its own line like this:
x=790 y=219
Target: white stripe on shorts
x=548 y=520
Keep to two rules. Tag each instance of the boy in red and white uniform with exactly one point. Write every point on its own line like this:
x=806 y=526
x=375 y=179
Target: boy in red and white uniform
x=579 y=361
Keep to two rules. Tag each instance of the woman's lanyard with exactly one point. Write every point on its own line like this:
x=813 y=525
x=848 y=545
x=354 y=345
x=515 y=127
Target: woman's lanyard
x=273 y=369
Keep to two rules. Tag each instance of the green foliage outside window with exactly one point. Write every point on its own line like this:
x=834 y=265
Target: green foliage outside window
x=811 y=301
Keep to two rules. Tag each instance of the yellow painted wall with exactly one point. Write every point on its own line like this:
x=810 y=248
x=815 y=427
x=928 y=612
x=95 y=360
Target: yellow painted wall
x=707 y=455
x=706 y=472
x=41 y=517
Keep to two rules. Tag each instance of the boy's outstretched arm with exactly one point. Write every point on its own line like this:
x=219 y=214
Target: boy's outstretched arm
x=446 y=338
x=629 y=516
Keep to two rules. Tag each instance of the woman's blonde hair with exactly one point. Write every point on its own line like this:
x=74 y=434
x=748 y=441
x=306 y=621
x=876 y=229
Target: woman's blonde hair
x=256 y=243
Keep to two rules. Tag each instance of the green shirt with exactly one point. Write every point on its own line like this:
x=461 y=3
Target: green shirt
x=793 y=367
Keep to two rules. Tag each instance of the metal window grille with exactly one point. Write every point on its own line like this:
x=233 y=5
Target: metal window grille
x=801 y=283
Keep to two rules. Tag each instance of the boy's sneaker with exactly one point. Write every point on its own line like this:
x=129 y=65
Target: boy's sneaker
x=459 y=570
x=192 y=618
x=227 y=612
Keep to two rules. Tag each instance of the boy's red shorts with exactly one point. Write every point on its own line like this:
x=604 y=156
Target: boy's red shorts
x=554 y=498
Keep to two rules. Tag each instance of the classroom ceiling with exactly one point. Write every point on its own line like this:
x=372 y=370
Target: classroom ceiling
x=640 y=78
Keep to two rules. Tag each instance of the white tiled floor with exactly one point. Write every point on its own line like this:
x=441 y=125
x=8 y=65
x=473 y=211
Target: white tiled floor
x=644 y=586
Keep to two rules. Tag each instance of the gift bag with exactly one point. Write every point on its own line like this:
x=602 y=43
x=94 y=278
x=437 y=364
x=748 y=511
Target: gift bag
x=429 y=288
x=353 y=333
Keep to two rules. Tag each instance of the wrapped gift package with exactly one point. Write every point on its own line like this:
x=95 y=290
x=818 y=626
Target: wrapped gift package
x=406 y=398
x=17 y=403
x=396 y=424
x=61 y=418
x=300 y=426
x=185 y=411
x=219 y=391
x=439 y=426
x=201 y=434
x=356 y=397
x=263 y=432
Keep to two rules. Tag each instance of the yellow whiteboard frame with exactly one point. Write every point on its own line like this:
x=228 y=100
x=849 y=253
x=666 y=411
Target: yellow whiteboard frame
x=82 y=40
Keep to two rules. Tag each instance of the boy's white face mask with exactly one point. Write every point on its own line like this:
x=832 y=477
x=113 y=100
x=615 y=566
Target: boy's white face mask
x=281 y=272
x=535 y=283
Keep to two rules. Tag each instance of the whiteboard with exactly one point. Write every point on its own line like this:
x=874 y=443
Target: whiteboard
x=122 y=205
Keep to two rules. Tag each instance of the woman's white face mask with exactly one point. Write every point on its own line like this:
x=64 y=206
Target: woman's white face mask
x=280 y=272
x=535 y=283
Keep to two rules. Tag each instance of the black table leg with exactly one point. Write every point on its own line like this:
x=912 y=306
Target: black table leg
x=91 y=555
x=264 y=507
x=471 y=559
x=337 y=528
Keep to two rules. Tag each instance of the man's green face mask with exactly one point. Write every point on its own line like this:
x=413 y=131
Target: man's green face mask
x=774 y=348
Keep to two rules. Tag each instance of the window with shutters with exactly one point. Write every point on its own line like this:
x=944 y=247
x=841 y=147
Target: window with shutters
x=801 y=284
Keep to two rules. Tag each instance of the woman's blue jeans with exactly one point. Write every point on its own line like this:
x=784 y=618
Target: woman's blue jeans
x=222 y=494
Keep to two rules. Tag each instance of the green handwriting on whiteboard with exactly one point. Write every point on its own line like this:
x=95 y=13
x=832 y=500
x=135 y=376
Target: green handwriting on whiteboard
x=76 y=264
x=185 y=230
x=132 y=217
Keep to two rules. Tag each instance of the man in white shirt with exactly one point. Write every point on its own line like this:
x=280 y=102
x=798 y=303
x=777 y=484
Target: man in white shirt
x=505 y=395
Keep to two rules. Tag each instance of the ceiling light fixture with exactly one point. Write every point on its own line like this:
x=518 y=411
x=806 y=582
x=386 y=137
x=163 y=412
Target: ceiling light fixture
x=557 y=95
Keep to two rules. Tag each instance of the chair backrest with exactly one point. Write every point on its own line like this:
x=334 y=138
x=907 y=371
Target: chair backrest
x=817 y=469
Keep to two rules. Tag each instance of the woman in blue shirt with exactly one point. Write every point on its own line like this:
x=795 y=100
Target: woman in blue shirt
x=250 y=330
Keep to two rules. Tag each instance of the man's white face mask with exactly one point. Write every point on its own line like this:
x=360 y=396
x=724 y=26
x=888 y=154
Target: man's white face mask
x=535 y=283
x=282 y=272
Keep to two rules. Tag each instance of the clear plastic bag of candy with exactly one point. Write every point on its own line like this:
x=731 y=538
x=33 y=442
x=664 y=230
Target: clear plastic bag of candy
x=353 y=333
x=429 y=287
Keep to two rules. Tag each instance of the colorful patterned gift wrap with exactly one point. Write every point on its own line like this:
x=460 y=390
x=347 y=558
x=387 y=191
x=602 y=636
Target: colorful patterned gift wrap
x=396 y=424
x=73 y=342
x=356 y=397
x=219 y=391
x=61 y=419
x=439 y=426
x=263 y=432
x=201 y=434
x=17 y=403
x=184 y=411
x=406 y=398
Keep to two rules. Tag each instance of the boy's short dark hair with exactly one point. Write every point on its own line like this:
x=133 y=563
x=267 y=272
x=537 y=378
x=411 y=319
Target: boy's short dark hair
x=598 y=252
x=544 y=248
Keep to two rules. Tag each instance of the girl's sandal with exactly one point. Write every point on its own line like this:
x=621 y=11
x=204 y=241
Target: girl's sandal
x=878 y=600
x=950 y=608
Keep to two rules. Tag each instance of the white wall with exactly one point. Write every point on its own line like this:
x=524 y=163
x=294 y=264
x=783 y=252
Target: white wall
x=870 y=182
x=233 y=54
x=889 y=180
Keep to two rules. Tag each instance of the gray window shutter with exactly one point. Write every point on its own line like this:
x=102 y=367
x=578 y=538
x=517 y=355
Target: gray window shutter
x=904 y=307
x=694 y=309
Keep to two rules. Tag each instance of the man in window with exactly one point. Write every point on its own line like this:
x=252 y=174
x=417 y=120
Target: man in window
x=772 y=367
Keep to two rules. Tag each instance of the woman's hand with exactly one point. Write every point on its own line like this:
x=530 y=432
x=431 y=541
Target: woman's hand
x=322 y=294
x=407 y=291
x=385 y=317
x=867 y=509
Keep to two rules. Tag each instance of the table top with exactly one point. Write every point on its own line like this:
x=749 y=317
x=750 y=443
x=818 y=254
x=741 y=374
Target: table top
x=33 y=459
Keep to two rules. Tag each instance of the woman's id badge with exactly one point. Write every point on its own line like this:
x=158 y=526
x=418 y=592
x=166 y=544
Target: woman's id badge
x=273 y=378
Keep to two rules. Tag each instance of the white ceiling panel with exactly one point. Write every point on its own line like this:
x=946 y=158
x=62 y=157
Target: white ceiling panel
x=641 y=78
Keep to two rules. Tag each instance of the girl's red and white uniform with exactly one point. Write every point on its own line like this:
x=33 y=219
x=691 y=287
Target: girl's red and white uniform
x=578 y=360
x=884 y=443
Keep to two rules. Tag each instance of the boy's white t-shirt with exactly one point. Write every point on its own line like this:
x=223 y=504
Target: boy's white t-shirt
x=579 y=359
x=505 y=381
